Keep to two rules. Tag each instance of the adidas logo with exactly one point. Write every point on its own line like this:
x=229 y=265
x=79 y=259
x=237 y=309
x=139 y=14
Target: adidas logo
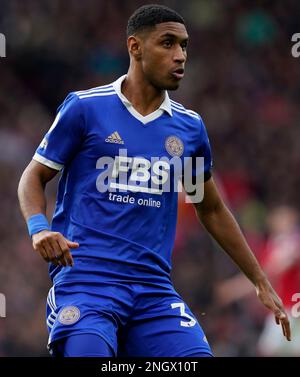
x=114 y=138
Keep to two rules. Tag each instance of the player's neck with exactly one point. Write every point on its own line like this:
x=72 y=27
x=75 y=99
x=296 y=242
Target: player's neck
x=143 y=96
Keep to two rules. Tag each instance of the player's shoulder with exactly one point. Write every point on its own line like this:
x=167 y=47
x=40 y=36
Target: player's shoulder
x=183 y=112
x=77 y=101
x=96 y=92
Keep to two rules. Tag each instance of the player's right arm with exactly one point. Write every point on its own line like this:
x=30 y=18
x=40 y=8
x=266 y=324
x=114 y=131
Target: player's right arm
x=57 y=149
x=52 y=246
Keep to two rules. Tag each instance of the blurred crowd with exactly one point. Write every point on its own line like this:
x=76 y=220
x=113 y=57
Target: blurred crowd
x=242 y=79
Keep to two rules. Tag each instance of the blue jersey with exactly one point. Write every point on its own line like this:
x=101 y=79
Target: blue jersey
x=110 y=198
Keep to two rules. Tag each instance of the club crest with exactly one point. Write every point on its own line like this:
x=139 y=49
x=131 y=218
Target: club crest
x=174 y=146
x=69 y=315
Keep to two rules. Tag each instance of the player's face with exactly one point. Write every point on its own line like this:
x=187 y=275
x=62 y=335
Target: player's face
x=164 y=53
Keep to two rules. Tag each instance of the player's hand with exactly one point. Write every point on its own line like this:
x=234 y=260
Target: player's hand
x=270 y=299
x=54 y=247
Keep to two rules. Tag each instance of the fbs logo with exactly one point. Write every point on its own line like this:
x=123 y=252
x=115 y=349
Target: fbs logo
x=154 y=176
x=114 y=138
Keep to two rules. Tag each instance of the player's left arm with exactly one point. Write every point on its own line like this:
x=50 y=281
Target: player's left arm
x=220 y=223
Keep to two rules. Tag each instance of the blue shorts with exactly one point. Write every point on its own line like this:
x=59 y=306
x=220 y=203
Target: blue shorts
x=135 y=320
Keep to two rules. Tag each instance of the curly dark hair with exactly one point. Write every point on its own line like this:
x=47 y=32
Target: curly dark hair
x=147 y=16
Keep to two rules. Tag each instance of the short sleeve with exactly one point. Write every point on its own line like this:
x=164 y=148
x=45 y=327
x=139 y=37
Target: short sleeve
x=64 y=137
x=203 y=150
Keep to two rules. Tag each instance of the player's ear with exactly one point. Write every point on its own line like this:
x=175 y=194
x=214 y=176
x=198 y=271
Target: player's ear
x=134 y=47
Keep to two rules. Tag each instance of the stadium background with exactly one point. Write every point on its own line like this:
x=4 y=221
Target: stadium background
x=242 y=79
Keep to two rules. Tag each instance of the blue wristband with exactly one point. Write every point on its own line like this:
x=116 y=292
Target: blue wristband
x=37 y=223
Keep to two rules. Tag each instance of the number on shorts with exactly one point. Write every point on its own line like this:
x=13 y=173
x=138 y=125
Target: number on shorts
x=191 y=321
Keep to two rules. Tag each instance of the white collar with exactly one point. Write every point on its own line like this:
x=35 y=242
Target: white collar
x=165 y=105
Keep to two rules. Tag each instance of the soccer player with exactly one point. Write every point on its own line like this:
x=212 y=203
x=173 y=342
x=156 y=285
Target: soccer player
x=110 y=241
